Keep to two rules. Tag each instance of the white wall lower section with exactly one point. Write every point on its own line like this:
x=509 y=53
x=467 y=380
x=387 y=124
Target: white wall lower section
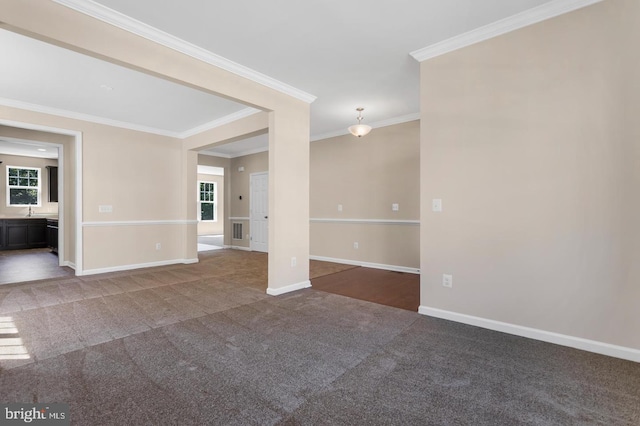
x=367 y=264
x=137 y=266
x=532 y=333
x=288 y=289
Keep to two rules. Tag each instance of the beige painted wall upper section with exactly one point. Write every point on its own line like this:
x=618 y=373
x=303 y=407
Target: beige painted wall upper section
x=137 y=173
x=240 y=181
x=531 y=141
x=366 y=175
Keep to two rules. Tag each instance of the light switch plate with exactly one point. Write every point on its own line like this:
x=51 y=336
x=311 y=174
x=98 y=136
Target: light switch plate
x=447 y=280
x=105 y=209
x=395 y=207
x=436 y=205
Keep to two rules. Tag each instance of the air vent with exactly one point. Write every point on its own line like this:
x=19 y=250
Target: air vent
x=237 y=230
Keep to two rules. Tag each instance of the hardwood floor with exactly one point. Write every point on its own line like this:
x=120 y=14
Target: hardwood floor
x=30 y=265
x=389 y=288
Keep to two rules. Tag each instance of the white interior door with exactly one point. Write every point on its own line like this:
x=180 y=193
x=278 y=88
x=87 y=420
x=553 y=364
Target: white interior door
x=260 y=211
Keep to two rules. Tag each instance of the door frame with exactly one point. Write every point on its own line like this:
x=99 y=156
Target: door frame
x=76 y=202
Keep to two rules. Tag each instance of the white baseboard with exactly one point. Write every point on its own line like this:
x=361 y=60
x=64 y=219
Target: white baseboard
x=533 y=333
x=138 y=266
x=368 y=264
x=69 y=264
x=239 y=248
x=288 y=289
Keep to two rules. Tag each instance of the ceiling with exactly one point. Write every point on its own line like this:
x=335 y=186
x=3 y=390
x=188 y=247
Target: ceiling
x=27 y=148
x=345 y=53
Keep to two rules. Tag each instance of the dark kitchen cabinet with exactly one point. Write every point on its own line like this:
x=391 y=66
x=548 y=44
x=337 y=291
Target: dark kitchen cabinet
x=53 y=184
x=52 y=235
x=23 y=234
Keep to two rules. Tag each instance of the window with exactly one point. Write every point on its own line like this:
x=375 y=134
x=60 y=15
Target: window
x=208 y=201
x=23 y=186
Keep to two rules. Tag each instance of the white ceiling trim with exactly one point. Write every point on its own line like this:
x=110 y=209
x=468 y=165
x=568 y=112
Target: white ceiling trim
x=125 y=125
x=213 y=154
x=378 y=124
x=532 y=16
x=219 y=122
x=239 y=154
x=85 y=117
x=210 y=170
x=383 y=123
x=112 y=17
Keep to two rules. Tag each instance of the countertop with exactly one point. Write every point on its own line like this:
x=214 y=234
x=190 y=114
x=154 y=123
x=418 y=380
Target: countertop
x=37 y=216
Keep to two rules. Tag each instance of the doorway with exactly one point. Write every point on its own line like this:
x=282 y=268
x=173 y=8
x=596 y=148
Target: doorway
x=32 y=172
x=259 y=211
x=211 y=207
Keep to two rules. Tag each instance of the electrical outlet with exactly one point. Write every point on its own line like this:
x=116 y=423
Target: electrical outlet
x=395 y=207
x=356 y=245
x=158 y=246
x=339 y=207
x=105 y=209
x=447 y=280
x=436 y=205
x=294 y=262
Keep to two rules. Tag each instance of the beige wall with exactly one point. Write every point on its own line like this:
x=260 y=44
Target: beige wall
x=240 y=187
x=19 y=161
x=366 y=176
x=216 y=227
x=531 y=141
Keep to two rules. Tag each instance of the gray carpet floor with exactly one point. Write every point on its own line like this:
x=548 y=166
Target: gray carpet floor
x=204 y=345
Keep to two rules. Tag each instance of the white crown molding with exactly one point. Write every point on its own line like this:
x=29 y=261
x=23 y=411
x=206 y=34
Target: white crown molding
x=85 y=117
x=124 y=22
x=529 y=17
x=239 y=154
x=249 y=152
x=243 y=113
x=246 y=112
x=214 y=154
x=383 y=123
x=210 y=170
x=602 y=348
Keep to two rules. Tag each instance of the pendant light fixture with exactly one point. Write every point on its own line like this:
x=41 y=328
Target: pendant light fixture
x=359 y=129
